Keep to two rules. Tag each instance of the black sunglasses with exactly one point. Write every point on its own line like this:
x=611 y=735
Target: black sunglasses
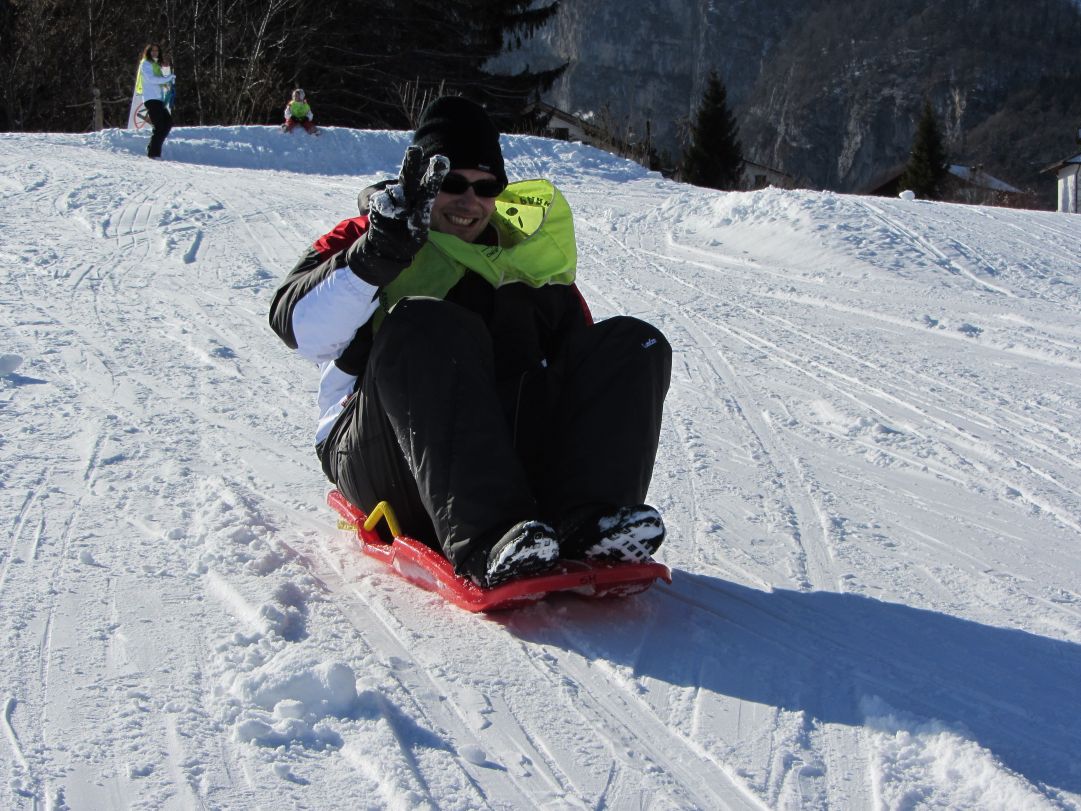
x=457 y=184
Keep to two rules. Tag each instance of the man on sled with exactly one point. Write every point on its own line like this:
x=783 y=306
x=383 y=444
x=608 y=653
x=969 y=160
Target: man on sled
x=462 y=377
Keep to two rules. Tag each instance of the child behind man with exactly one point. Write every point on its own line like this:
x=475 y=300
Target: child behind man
x=299 y=112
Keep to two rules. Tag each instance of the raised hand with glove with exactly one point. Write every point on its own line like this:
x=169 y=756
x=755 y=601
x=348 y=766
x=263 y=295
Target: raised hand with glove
x=398 y=220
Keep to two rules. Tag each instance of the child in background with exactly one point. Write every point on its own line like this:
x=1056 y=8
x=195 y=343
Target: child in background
x=298 y=111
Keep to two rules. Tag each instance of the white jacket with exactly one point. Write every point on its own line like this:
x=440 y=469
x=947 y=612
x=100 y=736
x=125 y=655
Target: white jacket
x=153 y=85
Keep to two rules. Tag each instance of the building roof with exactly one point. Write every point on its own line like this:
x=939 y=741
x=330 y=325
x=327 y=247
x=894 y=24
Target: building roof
x=1055 y=167
x=755 y=165
x=975 y=176
x=587 y=127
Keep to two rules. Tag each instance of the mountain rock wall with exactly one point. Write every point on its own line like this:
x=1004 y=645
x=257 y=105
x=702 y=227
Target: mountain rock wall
x=826 y=90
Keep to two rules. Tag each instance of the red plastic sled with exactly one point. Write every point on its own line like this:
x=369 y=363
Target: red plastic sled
x=428 y=569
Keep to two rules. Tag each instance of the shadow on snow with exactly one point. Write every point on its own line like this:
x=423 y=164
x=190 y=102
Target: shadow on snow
x=823 y=654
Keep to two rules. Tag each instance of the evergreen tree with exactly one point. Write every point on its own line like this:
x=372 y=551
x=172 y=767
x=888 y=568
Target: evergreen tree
x=714 y=157
x=927 y=167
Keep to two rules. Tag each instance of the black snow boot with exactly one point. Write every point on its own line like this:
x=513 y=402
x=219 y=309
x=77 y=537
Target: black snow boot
x=527 y=548
x=611 y=534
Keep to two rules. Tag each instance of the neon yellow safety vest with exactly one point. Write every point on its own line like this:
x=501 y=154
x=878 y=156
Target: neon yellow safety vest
x=139 y=74
x=536 y=247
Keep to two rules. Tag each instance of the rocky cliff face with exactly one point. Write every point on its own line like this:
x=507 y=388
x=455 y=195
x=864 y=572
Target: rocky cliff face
x=632 y=61
x=827 y=90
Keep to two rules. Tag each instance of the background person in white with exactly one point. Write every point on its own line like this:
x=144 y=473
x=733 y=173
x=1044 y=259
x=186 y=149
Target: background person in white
x=152 y=83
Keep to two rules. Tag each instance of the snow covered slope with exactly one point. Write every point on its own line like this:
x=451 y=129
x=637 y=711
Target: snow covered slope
x=870 y=467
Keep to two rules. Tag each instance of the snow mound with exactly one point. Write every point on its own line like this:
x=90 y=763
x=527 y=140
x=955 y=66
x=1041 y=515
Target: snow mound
x=288 y=702
x=345 y=151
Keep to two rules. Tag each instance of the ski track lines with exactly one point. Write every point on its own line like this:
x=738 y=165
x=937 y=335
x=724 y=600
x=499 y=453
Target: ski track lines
x=1047 y=228
x=772 y=745
x=132 y=225
x=693 y=776
x=812 y=560
x=554 y=755
x=813 y=566
x=68 y=606
x=34 y=589
x=937 y=255
x=820 y=634
x=848 y=384
x=605 y=704
x=753 y=271
x=42 y=553
x=26 y=513
x=436 y=696
x=758 y=746
x=427 y=688
x=566 y=704
x=985 y=413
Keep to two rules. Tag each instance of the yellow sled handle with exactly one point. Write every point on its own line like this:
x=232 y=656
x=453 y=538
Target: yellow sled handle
x=384 y=511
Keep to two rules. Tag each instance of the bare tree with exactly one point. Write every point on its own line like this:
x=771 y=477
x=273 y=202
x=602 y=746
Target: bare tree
x=414 y=98
x=235 y=59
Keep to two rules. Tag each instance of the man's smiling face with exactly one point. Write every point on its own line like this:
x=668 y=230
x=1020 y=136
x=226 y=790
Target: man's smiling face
x=463 y=215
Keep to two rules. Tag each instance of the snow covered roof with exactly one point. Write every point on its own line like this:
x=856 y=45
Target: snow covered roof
x=1054 y=167
x=975 y=176
x=970 y=175
x=749 y=164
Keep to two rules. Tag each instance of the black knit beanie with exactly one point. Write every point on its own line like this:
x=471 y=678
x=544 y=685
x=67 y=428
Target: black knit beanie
x=460 y=130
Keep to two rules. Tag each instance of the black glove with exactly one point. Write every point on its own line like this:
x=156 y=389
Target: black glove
x=398 y=220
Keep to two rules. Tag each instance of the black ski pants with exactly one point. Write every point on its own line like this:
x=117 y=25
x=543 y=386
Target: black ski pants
x=162 y=120
x=429 y=431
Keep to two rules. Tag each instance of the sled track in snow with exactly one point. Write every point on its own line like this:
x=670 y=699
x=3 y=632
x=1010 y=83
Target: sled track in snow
x=687 y=774
x=852 y=385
